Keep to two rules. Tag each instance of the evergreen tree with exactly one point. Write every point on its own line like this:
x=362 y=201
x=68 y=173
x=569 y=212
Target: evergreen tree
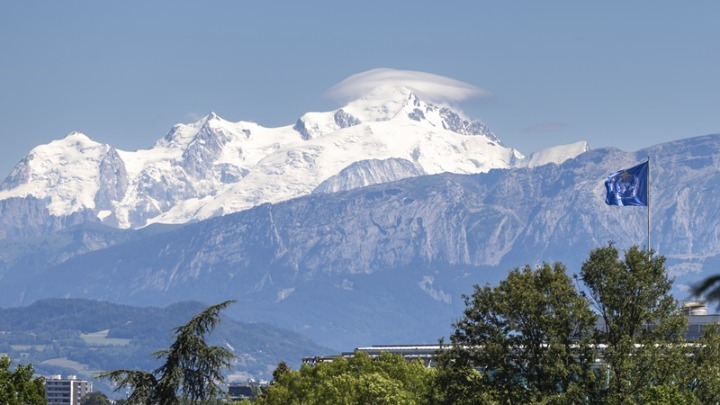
x=95 y=398
x=192 y=369
x=282 y=368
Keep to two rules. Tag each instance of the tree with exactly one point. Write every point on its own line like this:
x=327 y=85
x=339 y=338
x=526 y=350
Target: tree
x=528 y=336
x=19 y=387
x=282 y=368
x=703 y=374
x=710 y=288
x=192 y=368
x=632 y=296
x=642 y=324
x=388 y=379
x=532 y=339
x=459 y=385
x=95 y=398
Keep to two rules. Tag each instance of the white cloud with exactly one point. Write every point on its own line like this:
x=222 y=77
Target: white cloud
x=426 y=85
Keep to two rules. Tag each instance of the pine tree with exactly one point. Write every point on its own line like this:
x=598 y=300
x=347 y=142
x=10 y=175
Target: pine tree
x=192 y=369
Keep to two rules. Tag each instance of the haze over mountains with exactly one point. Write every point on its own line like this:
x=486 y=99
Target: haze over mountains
x=358 y=226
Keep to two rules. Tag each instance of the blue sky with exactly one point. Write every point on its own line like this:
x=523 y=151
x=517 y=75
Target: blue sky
x=616 y=73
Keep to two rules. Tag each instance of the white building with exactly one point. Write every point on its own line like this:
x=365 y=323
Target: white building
x=67 y=391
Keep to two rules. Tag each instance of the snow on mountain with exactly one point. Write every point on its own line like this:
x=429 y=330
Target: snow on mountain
x=65 y=171
x=214 y=167
x=369 y=172
x=388 y=123
x=556 y=154
x=191 y=165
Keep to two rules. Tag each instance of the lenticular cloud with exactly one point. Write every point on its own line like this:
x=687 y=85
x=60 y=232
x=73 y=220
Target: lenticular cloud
x=425 y=85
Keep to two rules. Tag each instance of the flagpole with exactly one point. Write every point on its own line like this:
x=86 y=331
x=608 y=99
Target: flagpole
x=648 y=205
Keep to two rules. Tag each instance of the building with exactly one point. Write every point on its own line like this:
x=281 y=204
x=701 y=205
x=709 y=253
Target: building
x=696 y=313
x=697 y=316
x=66 y=391
x=247 y=390
x=424 y=353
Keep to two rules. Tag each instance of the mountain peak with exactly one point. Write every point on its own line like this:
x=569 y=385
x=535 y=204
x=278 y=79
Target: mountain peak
x=388 y=92
x=382 y=103
x=211 y=117
x=555 y=154
x=211 y=120
x=76 y=136
x=182 y=134
x=65 y=171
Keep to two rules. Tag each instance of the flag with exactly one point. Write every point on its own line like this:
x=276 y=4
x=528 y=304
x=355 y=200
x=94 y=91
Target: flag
x=628 y=187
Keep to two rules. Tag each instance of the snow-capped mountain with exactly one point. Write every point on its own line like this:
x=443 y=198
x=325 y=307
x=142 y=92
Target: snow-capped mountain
x=386 y=263
x=68 y=171
x=214 y=167
x=556 y=154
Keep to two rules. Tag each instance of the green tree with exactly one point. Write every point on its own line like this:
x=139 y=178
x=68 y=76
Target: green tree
x=710 y=288
x=532 y=339
x=642 y=324
x=282 y=368
x=19 y=387
x=388 y=379
x=95 y=398
x=703 y=373
x=528 y=336
x=459 y=385
x=192 y=369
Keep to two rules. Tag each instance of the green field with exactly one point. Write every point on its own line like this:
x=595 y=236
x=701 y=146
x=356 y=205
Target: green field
x=27 y=348
x=100 y=339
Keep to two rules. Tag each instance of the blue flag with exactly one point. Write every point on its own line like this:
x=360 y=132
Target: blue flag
x=628 y=187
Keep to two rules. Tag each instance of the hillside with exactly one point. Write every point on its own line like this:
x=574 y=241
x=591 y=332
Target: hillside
x=83 y=337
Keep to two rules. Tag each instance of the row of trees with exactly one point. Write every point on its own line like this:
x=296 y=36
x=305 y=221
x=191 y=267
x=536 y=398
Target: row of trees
x=388 y=379
x=612 y=335
x=534 y=338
